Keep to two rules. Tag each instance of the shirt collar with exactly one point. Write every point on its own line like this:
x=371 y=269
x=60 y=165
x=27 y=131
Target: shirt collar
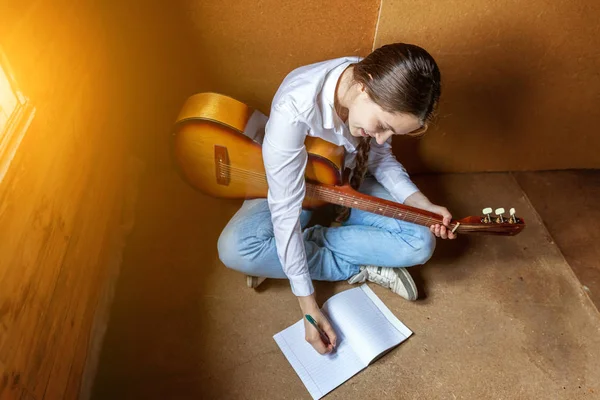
x=328 y=113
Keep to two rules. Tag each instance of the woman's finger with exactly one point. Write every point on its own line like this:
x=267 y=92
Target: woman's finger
x=326 y=326
x=447 y=219
x=318 y=344
x=320 y=347
x=313 y=337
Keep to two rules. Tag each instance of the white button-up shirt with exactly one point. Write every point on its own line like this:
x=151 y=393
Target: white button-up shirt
x=304 y=105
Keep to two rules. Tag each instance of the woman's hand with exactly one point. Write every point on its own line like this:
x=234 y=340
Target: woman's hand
x=309 y=306
x=441 y=231
x=419 y=200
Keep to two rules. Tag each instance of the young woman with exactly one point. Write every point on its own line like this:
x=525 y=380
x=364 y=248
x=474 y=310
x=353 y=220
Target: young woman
x=359 y=104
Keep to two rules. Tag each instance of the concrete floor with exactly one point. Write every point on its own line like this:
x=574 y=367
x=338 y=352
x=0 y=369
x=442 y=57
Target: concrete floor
x=499 y=317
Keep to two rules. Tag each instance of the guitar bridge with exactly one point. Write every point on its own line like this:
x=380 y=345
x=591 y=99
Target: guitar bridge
x=222 y=165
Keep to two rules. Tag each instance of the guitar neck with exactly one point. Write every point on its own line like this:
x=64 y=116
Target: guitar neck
x=346 y=196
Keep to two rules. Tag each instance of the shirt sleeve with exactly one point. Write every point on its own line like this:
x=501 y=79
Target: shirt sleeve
x=285 y=158
x=389 y=172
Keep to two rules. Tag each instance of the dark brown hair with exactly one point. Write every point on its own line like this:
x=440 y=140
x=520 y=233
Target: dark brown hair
x=399 y=78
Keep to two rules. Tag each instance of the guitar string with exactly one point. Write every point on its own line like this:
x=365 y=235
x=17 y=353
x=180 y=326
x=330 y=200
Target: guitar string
x=463 y=228
x=334 y=198
x=346 y=200
x=334 y=195
x=330 y=191
x=427 y=221
x=258 y=177
x=261 y=177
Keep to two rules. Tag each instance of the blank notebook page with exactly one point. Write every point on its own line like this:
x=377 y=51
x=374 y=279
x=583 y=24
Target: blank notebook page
x=369 y=325
x=319 y=373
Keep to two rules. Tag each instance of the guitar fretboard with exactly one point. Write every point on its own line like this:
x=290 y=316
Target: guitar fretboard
x=374 y=205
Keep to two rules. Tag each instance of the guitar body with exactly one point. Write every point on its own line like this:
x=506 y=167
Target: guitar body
x=216 y=157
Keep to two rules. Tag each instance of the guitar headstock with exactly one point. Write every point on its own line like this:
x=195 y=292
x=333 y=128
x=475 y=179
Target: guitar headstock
x=487 y=224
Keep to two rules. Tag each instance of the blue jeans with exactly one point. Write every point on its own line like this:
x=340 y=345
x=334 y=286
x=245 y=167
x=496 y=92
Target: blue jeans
x=247 y=243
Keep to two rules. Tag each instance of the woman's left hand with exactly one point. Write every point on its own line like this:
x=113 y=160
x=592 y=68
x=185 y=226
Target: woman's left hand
x=419 y=200
x=441 y=231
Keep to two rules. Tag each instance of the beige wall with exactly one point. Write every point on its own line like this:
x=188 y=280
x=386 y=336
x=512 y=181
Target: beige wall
x=521 y=82
x=156 y=67
x=245 y=48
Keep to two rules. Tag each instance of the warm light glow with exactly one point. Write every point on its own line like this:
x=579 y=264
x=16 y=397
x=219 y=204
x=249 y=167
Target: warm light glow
x=8 y=101
x=15 y=116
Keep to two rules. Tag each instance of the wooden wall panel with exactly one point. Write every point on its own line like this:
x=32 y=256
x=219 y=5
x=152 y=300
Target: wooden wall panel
x=60 y=201
x=521 y=82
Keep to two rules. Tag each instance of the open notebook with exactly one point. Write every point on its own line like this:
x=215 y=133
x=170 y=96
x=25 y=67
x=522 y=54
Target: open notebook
x=365 y=328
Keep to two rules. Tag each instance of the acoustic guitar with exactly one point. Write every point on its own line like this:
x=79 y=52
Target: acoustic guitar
x=214 y=156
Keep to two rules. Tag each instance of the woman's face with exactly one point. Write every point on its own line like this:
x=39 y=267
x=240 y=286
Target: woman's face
x=365 y=118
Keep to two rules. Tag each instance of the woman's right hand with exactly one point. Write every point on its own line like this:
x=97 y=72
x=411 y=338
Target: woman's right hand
x=309 y=306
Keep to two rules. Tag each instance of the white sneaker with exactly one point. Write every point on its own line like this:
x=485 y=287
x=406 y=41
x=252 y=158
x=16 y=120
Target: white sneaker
x=253 y=281
x=398 y=280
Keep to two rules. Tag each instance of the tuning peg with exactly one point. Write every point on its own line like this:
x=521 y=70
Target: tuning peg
x=513 y=218
x=487 y=211
x=499 y=212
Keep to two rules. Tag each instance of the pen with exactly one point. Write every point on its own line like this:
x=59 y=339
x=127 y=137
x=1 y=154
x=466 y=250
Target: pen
x=324 y=337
